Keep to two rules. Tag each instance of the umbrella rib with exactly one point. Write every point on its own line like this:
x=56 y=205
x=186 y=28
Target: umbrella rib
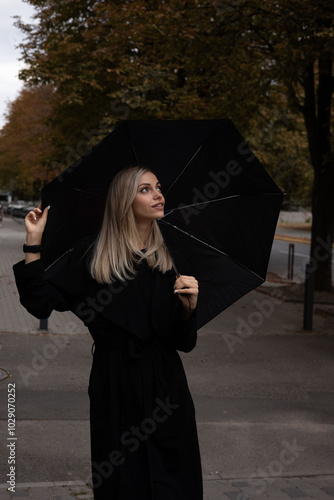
x=195 y=154
x=55 y=262
x=132 y=146
x=217 y=199
x=213 y=248
x=177 y=178
x=135 y=154
x=201 y=203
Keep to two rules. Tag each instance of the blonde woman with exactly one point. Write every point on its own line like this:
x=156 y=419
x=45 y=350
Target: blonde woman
x=144 y=443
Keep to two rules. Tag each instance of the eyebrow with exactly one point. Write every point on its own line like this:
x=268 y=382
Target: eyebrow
x=148 y=184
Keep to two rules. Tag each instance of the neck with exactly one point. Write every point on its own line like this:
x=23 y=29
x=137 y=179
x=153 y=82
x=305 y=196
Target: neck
x=143 y=229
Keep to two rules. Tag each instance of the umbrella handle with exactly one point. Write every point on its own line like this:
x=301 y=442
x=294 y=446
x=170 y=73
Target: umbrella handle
x=178 y=275
x=175 y=268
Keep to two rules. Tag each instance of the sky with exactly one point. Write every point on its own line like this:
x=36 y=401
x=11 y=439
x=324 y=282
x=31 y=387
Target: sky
x=10 y=85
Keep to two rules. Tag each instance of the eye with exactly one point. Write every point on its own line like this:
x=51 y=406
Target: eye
x=143 y=190
x=159 y=188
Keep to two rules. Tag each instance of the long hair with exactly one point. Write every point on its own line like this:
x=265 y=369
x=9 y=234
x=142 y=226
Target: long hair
x=116 y=247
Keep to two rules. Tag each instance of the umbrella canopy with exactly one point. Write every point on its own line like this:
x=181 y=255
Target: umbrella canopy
x=221 y=205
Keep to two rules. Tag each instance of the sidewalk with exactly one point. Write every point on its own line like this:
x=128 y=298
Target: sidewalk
x=13 y=317
x=263 y=391
x=314 y=487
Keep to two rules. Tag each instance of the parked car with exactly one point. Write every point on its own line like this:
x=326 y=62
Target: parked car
x=26 y=209
x=4 y=206
x=21 y=208
x=15 y=207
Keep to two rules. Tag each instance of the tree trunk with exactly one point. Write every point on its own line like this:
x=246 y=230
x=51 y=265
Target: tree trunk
x=322 y=236
x=317 y=109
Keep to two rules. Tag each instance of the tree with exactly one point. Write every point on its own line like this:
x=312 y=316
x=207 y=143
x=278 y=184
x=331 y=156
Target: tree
x=139 y=59
x=279 y=139
x=25 y=142
x=295 y=42
x=197 y=59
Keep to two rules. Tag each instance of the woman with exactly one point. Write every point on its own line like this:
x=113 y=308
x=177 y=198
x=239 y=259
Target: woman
x=144 y=441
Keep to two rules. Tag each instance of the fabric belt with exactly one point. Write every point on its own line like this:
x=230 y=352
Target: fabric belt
x=133 y=347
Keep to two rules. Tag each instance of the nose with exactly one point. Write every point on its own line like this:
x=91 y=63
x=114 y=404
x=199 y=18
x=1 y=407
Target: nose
x=157 y=194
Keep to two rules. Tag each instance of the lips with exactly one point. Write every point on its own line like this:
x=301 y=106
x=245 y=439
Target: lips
x=158 y=205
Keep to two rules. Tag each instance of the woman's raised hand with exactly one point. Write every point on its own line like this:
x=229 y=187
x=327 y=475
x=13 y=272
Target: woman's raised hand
x=187 y=289
x=35 y=223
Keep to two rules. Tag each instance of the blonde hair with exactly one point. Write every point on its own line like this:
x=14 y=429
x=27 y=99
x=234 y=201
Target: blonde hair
x=116 y=247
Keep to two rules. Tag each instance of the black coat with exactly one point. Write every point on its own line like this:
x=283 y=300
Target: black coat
x=144 y=443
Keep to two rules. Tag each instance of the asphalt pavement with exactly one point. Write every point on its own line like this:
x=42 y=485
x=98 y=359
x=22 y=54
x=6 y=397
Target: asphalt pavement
x=262 y=387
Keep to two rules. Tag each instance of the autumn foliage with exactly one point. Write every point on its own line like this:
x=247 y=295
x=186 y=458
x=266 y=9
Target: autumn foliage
x=266 y=64
x=26 y=141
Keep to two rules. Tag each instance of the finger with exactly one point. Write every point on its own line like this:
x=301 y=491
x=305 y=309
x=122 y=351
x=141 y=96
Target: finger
x=188 y=284
x=185 y=283
x=187 y=291
x=37 y=211
x=31 y=216
x=45 y=212
x=186 y=278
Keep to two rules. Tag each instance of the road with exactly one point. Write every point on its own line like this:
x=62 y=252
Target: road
x=278 y=262
x=262 y=388
x=250 y=401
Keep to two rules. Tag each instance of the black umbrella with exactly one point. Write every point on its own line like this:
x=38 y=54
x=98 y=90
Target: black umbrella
x=221 y=205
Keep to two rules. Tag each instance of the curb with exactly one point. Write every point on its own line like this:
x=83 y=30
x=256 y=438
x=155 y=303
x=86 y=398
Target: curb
x=324 y=311
x=211 y=476
x=292 y=239
x=51 y=484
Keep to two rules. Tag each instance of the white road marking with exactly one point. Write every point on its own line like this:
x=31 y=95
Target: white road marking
x=298 y=254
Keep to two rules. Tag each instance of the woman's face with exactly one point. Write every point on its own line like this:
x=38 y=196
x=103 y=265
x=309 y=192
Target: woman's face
x=148 y=204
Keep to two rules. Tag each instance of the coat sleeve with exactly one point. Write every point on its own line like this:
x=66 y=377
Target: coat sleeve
x=57 y=288
x=167 y=309
x=37 y=294
x=184 y=332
